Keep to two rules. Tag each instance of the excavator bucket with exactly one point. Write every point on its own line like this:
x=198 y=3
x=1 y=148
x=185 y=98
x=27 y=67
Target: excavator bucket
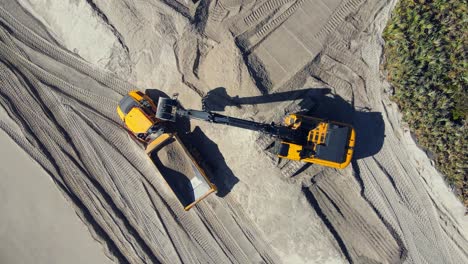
x=167 y=109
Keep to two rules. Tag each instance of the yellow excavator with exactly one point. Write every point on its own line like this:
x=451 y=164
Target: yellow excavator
x=300 y=138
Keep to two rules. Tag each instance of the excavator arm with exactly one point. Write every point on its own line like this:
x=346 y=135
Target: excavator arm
x=302 y=138
x=168 y=110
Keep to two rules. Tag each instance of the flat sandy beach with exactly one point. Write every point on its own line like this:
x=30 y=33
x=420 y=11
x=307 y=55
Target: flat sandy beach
x=37 y=224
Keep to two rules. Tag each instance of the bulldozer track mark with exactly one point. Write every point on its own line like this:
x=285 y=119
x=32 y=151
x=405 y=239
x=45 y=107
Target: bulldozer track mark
x=178 y=7
x=356 y=225
x=279 y=20
x=77 y=143
x=224 y=237
x=44 y=76
x=104 y=18
x=340 y=54
x=262 y=11
x=31 y=38
x=345 y=8
x=291 y=168
x=248 y=39
x=218 y=13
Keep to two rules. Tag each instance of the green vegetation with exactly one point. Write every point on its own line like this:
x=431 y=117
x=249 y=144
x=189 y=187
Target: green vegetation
x=426 y=44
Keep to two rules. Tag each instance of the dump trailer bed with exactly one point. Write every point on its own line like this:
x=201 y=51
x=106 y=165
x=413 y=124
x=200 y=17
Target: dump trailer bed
x=181 y=171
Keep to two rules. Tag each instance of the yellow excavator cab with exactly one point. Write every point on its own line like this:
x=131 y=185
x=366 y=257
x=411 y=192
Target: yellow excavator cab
x=328 y=143
x=137 y=95
x=137 y=111
x=137 y=121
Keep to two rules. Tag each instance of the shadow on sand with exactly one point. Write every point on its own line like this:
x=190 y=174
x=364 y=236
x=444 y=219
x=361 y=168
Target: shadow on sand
x=213 y=160
x=218 y=99
x=203 y=149
x=316 y=102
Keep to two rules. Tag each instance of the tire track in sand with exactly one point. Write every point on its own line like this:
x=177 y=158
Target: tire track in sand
x=102 y=170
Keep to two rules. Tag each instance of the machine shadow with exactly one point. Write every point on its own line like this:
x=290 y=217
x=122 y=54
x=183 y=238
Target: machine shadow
x=316 y=102
x=183 y=124
x=369 y=126
x=175 y=179
x=154 y=94
x=218 y=99
x=213 y=160
x=203 y=149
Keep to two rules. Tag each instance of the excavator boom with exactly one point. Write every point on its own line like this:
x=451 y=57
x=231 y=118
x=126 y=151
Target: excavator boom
x=302 y=138
x=271 y=129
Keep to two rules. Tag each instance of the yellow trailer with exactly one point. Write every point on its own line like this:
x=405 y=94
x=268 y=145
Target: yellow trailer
x=182 y=173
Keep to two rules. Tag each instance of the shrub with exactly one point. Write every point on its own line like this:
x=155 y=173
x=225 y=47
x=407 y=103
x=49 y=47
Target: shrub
x=426 y=63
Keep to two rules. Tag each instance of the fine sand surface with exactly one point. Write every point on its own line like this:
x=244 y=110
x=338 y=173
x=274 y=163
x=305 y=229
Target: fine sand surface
x=37 y=225
x=180 y=171
x=64 y=67
x=172 y=156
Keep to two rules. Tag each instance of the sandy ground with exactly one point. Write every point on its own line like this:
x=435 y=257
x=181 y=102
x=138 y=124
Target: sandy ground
x=37 y=223
x=64 y=68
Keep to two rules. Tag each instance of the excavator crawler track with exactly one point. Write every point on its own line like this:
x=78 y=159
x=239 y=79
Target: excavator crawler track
x=288 y=168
